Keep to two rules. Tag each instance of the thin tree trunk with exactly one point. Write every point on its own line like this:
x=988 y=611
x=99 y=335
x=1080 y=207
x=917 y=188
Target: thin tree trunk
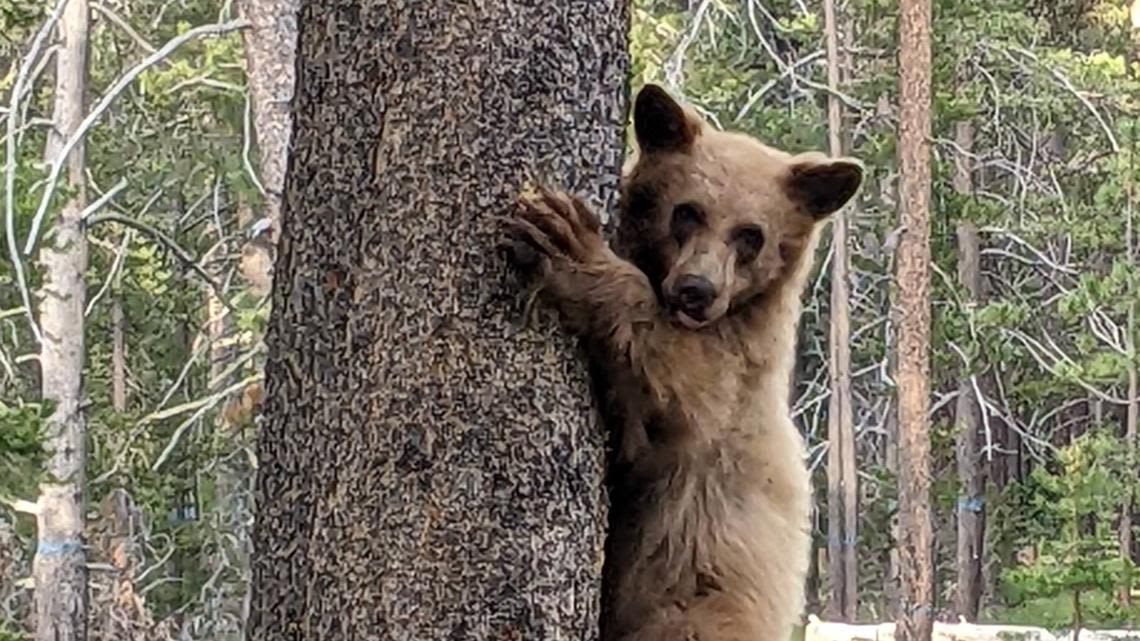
x=426 y=471
x=229 y=560
x=60 y=563
x=967 y=412
x=915 y=527
x=122 y=615
x=842 y=498
x=1125 y=591
x=270 y=57
x=893 y=589
x=1078 y=616
x=118 y=355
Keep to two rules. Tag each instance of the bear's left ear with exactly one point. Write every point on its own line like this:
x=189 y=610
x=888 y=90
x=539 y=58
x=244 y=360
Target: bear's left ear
x=823 y=185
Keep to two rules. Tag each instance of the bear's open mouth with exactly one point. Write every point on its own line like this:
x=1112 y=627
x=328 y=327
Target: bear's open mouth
x=688 y=322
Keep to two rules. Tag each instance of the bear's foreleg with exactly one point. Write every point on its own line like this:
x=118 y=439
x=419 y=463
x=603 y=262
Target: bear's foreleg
x=600 y=295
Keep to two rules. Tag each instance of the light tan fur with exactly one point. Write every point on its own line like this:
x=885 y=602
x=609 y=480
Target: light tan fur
x=710 y=495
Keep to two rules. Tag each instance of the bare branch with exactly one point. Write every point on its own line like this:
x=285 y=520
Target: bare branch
x=112 y=93
x=116 y=265
x=118 y=21
x=676 y=61
x=22 y=506
x=204 y=405
x=10 y=169
x=246 y=140
x=1068 y=85
x=104 y=199
x=165 y=240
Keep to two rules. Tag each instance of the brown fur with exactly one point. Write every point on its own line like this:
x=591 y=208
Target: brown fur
x=709 y=537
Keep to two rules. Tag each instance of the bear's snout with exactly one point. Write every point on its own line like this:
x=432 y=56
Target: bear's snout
x=692 y=296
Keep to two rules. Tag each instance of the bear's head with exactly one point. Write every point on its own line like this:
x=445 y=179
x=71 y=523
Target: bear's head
x=716 y=219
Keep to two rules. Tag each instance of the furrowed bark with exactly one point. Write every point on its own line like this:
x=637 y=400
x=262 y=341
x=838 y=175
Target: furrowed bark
x=427 y=470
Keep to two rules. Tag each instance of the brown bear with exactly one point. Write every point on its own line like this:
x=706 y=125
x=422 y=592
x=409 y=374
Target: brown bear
x=691 y=323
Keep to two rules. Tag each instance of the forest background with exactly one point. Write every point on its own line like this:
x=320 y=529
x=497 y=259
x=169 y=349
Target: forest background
x=1033 y=378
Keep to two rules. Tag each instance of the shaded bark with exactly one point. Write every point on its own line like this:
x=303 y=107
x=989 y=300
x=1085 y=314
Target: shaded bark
x=967 y=411
x=59 y=568
x=842 y=499
x=426 y=470
x=913 y=377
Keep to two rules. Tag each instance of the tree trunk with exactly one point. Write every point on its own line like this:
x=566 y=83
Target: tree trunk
x=842 y=499
x=426 y=471
x=60 y=564
x=1124 y=595
x=967 y=412
x=1078 y=616
x=1130 y=429
x=228 y=560
x=915 y=527
x=270 y=59
x=120 y=614
x=118 y=354
x=270 y=56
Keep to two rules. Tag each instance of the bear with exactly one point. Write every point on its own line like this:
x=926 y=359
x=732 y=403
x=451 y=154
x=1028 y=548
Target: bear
x=690 y=323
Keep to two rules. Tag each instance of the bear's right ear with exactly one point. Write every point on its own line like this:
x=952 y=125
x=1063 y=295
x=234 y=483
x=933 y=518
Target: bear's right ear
x=660 y=123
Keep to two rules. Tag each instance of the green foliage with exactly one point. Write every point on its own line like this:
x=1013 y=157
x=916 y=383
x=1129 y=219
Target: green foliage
x=21 y=446
x=1031 y=75
x=1080 y=553
x=8 y=634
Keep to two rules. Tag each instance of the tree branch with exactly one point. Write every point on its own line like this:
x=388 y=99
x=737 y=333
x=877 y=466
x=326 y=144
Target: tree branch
x=166 y=241
x=10 y=169
x=112 y=93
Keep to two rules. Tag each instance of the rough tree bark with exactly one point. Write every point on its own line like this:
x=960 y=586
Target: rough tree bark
x=59 y=568
x=967 y=412
x=913 y=377
x=842 y=497
x=426 y=470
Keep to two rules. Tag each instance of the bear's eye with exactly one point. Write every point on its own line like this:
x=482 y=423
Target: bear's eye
x=686 y=220
x=748 y=241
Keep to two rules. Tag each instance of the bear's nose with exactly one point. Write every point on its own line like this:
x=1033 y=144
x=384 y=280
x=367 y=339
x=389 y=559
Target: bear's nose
x=694 y=295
